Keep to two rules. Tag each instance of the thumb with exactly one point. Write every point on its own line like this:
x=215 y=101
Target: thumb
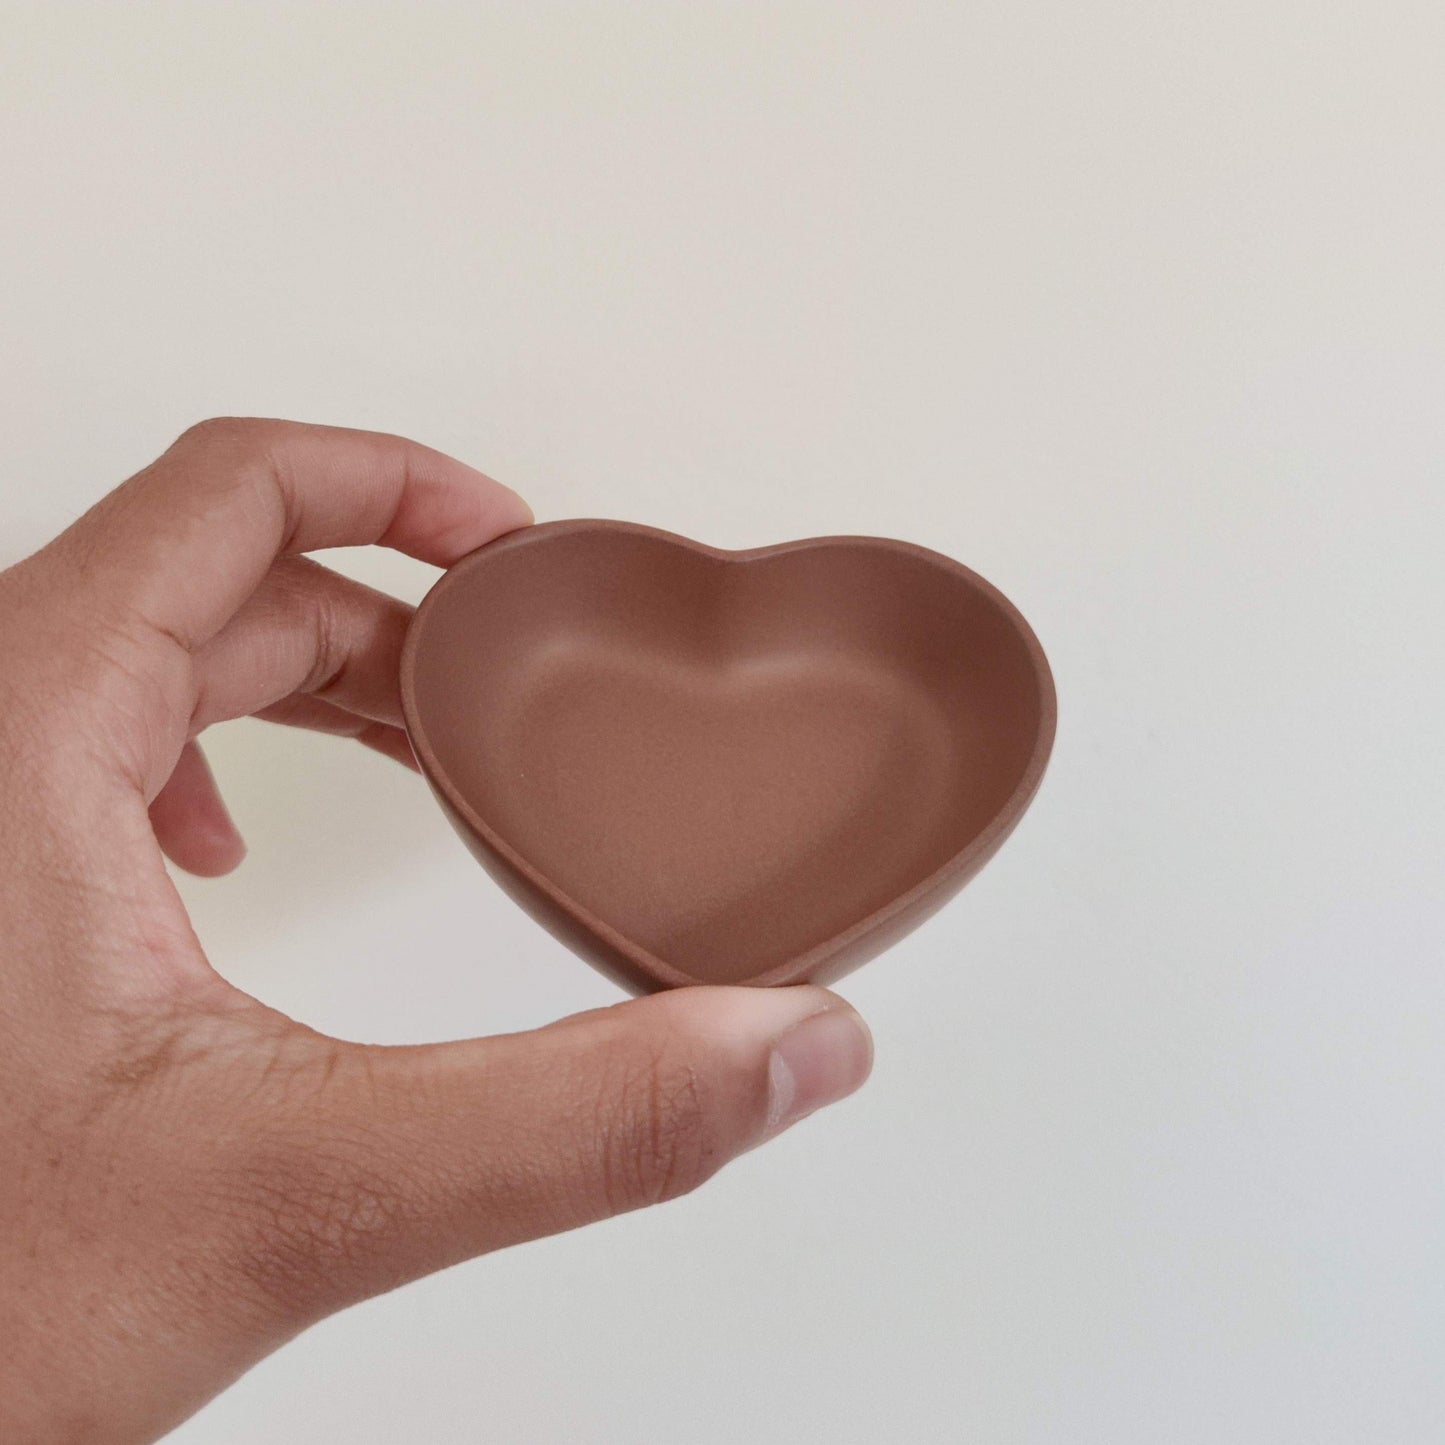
x=411 y=1159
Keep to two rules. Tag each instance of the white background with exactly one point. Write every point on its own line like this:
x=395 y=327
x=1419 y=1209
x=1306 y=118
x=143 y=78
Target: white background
x=1138 y=308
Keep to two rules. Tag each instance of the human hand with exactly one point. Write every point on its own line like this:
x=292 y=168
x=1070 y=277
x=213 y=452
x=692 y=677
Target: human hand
x=187 y=1177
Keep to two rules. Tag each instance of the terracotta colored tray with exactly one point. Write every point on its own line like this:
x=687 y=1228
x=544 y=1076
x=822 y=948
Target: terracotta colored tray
x=697 y=766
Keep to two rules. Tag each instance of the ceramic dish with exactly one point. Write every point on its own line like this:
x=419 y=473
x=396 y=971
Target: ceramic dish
x=699 y=766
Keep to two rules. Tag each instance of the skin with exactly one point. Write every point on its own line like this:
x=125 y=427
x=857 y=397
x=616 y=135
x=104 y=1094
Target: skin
x=187 y=1177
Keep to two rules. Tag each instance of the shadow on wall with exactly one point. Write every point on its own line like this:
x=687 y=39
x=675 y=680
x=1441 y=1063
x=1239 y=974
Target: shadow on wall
x=327 y=823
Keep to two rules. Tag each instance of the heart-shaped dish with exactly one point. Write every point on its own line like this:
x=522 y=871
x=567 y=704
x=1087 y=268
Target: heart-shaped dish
x=699 y=766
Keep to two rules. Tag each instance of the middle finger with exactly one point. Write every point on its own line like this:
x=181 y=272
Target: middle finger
x=306 y=630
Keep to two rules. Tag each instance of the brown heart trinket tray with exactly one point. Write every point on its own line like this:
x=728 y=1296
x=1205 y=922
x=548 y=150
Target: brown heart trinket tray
x=700 y=766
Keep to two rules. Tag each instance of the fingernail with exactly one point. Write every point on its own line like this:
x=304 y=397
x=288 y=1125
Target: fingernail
x=817 y=1062
x=525 y=516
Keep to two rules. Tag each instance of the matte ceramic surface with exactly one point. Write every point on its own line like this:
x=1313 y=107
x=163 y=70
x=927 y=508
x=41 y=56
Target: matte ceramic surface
x=698 y=766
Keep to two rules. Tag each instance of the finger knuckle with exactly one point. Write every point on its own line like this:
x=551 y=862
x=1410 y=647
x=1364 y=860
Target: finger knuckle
x=244 y=453
x=220 y=430
x=328 y=670
x=241 y=450
x=298 y=602
x=661 y=1138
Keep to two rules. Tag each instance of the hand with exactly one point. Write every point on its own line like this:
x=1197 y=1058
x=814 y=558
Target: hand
x=187 y=1177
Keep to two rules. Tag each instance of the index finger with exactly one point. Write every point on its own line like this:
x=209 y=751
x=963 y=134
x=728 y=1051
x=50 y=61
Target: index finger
x=182 y=544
